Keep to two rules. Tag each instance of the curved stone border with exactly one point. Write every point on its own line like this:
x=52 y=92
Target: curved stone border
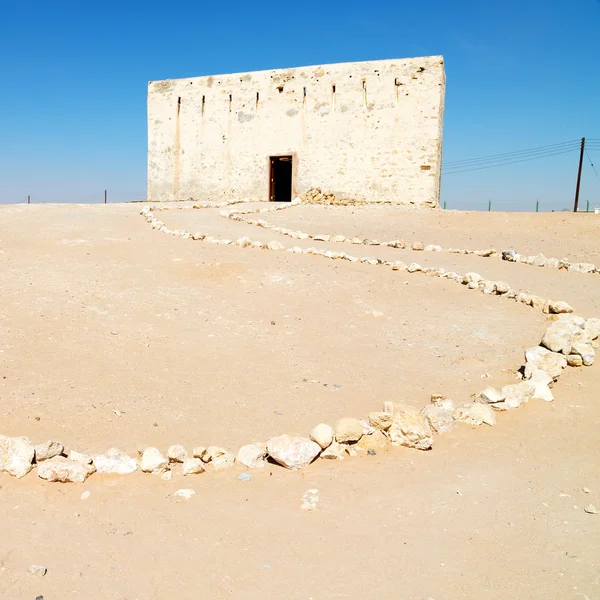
x=569 y=340
x=508 y=255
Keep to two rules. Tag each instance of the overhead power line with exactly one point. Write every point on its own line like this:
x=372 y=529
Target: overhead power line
x=517 y=159
x=515 y=154
x=592 y=165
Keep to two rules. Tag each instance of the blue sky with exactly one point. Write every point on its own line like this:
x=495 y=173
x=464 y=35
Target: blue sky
x=74 y=81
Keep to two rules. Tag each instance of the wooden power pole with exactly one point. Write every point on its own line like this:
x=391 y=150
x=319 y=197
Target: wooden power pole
x=579 y=175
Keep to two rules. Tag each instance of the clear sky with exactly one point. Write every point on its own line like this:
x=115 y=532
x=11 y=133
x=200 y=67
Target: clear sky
x=74 y=76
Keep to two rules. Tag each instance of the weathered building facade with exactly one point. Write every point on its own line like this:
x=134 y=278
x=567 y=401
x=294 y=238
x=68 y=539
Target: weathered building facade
x=368 y=130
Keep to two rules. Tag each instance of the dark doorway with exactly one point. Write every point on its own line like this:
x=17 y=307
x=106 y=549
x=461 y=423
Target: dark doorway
x=280 y=184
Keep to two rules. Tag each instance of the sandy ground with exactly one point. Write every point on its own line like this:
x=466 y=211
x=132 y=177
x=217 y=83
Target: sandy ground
x=202 y=344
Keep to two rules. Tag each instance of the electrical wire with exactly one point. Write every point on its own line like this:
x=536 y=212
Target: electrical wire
x=507 y=155
x=458 y=169
x=592 y=164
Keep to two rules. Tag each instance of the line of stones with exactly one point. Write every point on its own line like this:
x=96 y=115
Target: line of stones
x=509 y=255
x=568 y=341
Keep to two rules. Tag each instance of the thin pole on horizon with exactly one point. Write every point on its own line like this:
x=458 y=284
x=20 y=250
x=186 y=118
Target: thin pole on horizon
x=104 y=196
x=575 y=205
x=29 y=200
x=537 y=206
x=489 y=206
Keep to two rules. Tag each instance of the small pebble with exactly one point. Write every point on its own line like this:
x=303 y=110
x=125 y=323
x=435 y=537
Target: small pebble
x=585 y=490
x=244 y=477
x=371 y=452
x=85 y=495
x=591 y=509
x=184 y=493
x=37 y=570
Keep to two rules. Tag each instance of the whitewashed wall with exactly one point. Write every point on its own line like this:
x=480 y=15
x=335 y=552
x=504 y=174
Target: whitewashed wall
x=378 y=136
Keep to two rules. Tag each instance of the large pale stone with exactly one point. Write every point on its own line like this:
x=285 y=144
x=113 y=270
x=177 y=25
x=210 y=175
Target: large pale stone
x=557 y=307
x=251 y=456
x=410 y=428
x=490 y=396
x=441 y=401
x=16 y=455
x=373 y=441
x=586 y=352
x=222 y=462
x=80 y=457
x=545 y=360
x=476 y=414
x=176 y=453
x=192 y=466
x=574 y=360
x=348 y=429
x=582 y=267
x=153 y=461
x=47 y=450
x=558 y=337
x=380 y=420
x=592 y=328
x=63 y=470
x=293 y=452
x=515 y=395
x=212 y=452
x=440 y=420
x=335 y=451
x=472 y=278
x=322 y=434
x=115 y=461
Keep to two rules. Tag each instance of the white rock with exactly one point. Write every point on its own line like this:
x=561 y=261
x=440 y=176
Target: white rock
x=114 y=461
x=37 y=570
x=476 y=414
x=338 y=238
x=545 y=360
x=348 y=429
x=381 y=420
x=557 y=307
x=472 y=278
x=192 y=466
x=558 y=337
x=47 y=450
x=502 y=287
x=582 y=267
x=222 y=462
x=153 y=461
x=440 y=420
x=334 y=451
x=176 y=453
x=184 y=493
x=574 y=360
x=490 y=396
x=515 y=395
x=292 y=452
x=211 y=453
x=322 y=434
x=410 y=428
x=586 y=351
x=63 y=470
x=441 y=401
x=414 y=267
x=487 y=287
x=274 y=245
x=199 y=451
x=592 y=328
x=251 y=456
x=80 y=457
x=16 y=455
x=321 y=238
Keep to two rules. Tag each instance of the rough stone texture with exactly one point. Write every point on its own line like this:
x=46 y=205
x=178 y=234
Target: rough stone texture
x=348 y=429
x=476 y=414
x=581 y=267
x=115 y=461
x=574 y=360
x=490 y=396
x=16 y=455
x=199 y=451
x=592 y=328
x=441 y=401
x=380 y=420
x=292 y=452
x=153 y=461
x=192 y=466
x=558 y=337
x=556 y=307
x=543 y=359
x=410 y=428
x=373 y=441
x=63 y=470
x=586 y=352
x=515 y=395
x=251 y=456
x=334 y=452
x=80 y=457
x=176 y=453
x=47 y=450
x=440 y=419
x=222 y=462
x=211 y=453
x=322 y=434
x=377 y=135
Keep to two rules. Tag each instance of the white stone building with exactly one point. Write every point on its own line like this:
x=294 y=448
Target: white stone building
x=367 y=130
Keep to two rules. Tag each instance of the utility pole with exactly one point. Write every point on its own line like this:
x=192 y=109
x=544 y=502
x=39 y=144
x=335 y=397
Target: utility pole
x=579 y=175
x=104 y=196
